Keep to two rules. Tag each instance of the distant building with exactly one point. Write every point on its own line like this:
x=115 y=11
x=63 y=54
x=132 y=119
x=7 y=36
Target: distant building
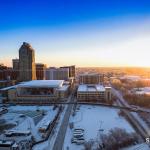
x=27 y=69
x=57 y=73
x=7 y=73
x=72 y=70
x=36 y=91
x=91 y=78
x=40 y=71
x=15 y=64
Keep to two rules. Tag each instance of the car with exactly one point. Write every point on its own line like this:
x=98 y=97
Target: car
x=80 y=142
x=78 y=129
x=22 y=115
x=78 y=135
x=77 y=140
x=73 y=140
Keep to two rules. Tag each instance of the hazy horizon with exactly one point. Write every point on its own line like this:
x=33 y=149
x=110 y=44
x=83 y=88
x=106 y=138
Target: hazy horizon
x=82 y=33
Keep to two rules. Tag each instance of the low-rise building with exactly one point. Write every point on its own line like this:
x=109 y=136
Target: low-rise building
x=36 y=91
x=6 y=83
x=91 y=88
x=93 y=92
x=8 y=145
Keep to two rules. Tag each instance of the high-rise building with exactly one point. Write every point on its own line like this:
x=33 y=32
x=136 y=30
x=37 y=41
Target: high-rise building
x=40 y=71
x=72 y=70
x=15 y=64
x=27 y=69
x=57 y=73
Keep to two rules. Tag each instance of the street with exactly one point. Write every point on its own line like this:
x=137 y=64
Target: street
x=58 y=145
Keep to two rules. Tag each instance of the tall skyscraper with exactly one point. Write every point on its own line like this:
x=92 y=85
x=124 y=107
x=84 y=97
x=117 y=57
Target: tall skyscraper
x=27 y=69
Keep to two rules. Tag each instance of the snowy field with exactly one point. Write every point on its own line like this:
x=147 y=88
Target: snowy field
x=92 y=119
x=27 y=118
x=48 y=145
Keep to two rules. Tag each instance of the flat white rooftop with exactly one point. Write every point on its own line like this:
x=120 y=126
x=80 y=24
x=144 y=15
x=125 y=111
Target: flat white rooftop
x=42 y=83
x=90 y=74
x=91 y=88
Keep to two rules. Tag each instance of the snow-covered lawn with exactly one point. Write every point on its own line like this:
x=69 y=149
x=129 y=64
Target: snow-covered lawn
x=92 y=119
x=48 y=145
x=23 y=117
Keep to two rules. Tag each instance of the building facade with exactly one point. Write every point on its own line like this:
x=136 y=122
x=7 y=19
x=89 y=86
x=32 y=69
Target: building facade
x=15 y=64
x=8 y=73
x=72 y=70
x=36 y=91
x=57 y=73
x=40 y=71
x=91 y=88
x=91 y=78
x=27 y=70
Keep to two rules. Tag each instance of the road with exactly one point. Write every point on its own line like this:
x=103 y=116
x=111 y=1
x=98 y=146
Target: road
x=58 y=145
x=121 y=102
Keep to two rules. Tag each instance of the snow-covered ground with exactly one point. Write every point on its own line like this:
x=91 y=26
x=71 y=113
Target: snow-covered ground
x=48 y=145
x=24 y=119
x=141 y=91
x=92 y=119
x=131 y=77
x=142 y=146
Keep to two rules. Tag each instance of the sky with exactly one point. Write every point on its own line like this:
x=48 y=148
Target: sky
x=85 y=33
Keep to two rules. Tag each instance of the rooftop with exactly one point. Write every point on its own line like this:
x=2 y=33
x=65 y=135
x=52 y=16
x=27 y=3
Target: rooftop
x=2 y=142
x=96 y=87
x=89 y=74
x=42 y=83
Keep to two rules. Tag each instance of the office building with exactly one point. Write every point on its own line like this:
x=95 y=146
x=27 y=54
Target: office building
x=7 y=73
x=57 y=74
x=15 y=64
x=91 y=88
x=91 y=78
x=72 y=70
x=40 y=71
x=27 y=70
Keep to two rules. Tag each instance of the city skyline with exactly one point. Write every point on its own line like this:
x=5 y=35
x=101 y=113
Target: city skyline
x=82 y=33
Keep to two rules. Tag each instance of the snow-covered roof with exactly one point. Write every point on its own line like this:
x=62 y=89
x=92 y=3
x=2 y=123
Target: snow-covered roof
x=95 y=87
x=9 y=142
x=42 y=83
x=63 y=88
x=141 y=91
x=89 y=74
x=131 y=77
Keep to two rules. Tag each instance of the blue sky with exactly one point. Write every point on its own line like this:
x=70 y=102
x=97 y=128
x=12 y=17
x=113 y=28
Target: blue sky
x=80 y=32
